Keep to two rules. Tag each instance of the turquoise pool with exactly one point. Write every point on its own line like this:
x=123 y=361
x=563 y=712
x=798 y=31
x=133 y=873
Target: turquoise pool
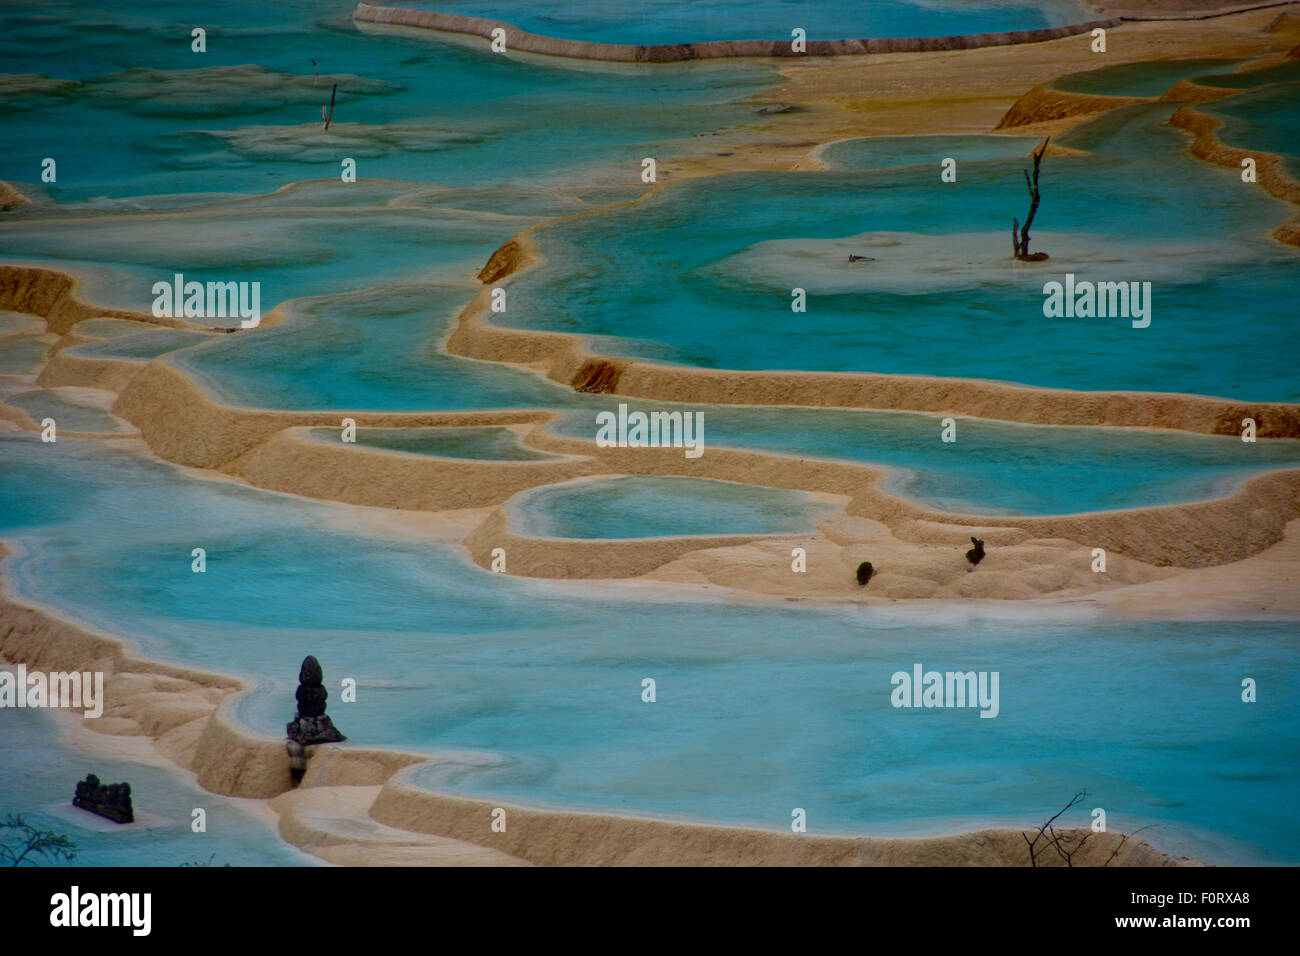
x=542 y=687
x=488 y=443
x=654 y=507
x=163 y=799
x=127 y=108
x=993 y=467
x=660 y=281
x=693 y=21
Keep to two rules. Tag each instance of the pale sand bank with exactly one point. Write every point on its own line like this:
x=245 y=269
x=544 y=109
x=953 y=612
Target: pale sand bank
x=564 y=357
x=357 y=802
x=959 y=91
x=181 y=424
x=1269 y=169
x=520 y=40
x=354 y=808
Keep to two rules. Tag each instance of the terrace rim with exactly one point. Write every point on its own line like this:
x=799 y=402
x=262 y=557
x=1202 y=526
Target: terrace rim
x=524 y=42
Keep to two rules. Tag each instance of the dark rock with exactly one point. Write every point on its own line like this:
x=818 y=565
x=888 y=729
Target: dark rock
x=865 y=571
x=111 y=801
x=311 y=725
x=976 y=554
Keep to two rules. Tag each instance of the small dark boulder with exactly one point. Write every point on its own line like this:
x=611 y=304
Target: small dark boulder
x=865 y=571
x=976 y=554
x=111 y=801
x=311 y=725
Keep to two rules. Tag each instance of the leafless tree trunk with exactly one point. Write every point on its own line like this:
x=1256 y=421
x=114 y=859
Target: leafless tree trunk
x=1020 y=234
x=1052 y=839
x=1047 y=833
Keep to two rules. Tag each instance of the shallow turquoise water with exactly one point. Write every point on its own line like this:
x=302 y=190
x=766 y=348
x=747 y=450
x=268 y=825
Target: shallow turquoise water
x=538 y=683
x=165 y=799
x=140 y=346
x=1139 y=79
x=760 y=708
x=22 y=354
x=112 y=328
x=290 y=252
x=659 y=279
x=69 y=415
x=1265 y=118
x=1282 y=73
x=759 y=713
x=993 y=467
x=654 y=507
x=244 y=117
x=357 y=353
x=882 y=152
x=486 y=443
x=693 y=21
x=369 y=350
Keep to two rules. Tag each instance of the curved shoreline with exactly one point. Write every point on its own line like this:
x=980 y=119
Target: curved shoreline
x=204 y=736
x=52 y=295
x=523 y=41
x=564 y=357
x=1270 y=170
x=1046 y=102
x=185 y=712
x=182 y=424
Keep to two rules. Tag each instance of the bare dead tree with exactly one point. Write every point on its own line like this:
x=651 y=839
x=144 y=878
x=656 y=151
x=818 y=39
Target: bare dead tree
x=1051 y=837
x=1048 y=829
x=1123 y=838
x=330 y=115
x=1020 y=234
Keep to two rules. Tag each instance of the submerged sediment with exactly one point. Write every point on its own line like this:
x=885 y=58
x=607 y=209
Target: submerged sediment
x=563 y=357
x=181 y=423
x=186 y=714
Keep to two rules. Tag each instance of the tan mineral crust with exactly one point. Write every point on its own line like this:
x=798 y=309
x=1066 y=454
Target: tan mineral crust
x=1235 y=556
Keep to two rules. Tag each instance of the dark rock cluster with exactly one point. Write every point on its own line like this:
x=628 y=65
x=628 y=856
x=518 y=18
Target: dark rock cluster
x=311 y=725
x=111 y=801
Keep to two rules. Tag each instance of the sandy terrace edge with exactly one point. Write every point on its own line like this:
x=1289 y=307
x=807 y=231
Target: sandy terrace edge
x=563 y=357
x=182 y=424
x=185 y=713
x=523 y=41
x=1269 y=168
